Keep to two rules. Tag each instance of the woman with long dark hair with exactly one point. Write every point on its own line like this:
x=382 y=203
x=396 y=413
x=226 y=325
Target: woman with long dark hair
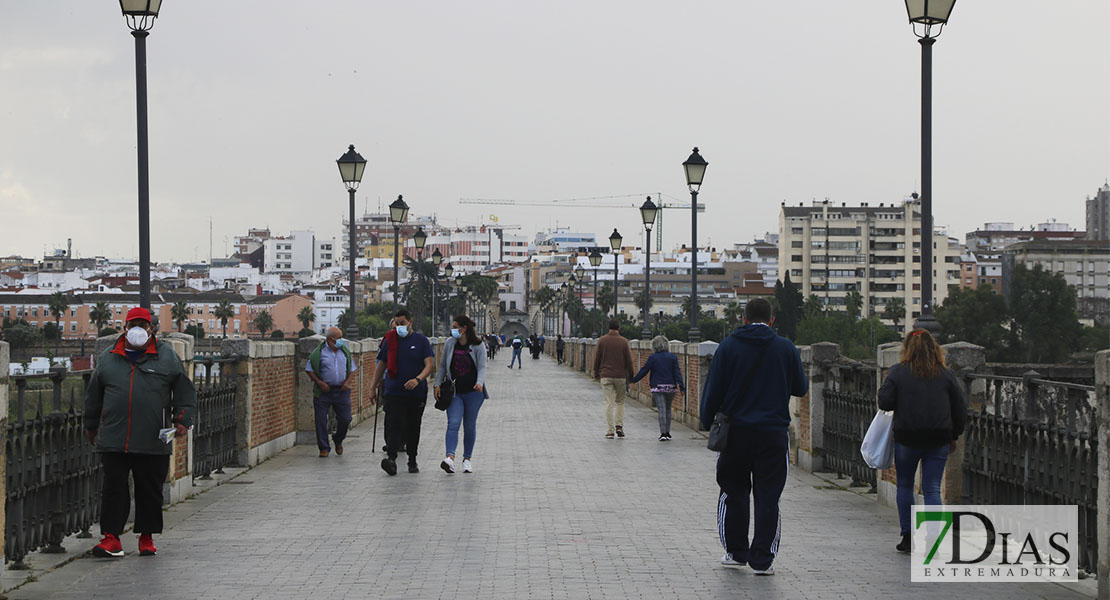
x=930 y=410
x=464 y=362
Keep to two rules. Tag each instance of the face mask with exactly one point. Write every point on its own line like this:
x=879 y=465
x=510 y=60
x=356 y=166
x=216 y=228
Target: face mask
x=340 y=343
x=455 y=333
x=137 y=337
x=403 y=330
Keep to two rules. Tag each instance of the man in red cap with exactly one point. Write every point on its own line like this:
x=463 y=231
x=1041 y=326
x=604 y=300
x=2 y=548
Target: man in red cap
x=138 y=394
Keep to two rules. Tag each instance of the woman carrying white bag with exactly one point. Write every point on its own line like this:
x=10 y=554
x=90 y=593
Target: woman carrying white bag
x=930 y=410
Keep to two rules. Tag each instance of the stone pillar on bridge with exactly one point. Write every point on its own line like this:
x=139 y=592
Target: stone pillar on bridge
x=886 y=482
x=5 y=360
x=963 y=358
x=809 y=432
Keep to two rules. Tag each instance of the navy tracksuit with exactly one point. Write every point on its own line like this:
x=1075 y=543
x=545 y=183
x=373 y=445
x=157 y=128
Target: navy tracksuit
x=754 y=465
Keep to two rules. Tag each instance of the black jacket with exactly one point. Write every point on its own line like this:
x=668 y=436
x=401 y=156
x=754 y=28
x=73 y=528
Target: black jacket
x=927 y=412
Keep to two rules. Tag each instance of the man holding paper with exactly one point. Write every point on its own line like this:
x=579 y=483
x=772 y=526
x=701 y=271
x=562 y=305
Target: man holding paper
x=138 y=398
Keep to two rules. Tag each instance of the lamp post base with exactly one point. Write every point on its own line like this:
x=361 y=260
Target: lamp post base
x=929 y=323
x=695 y=336
x=645 y=334
x=351 y=333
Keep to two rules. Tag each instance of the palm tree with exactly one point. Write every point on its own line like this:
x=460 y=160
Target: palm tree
x=58 y=304
x=99 y=315
x=854 y=304
x=733 y=314
x=895 y=310
x=224 y=311
x=180 y=313
x=264 y=322
x=605 y=299
x=306 y=317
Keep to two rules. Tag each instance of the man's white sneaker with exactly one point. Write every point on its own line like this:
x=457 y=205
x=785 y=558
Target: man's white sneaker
x=768 y=571
x=467 y=467
x=448 y=465
x=728 y=561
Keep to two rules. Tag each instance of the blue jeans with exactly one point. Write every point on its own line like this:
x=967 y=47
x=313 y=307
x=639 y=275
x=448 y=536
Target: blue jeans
x=516 y=359
x=932 y=469
x=463 y=411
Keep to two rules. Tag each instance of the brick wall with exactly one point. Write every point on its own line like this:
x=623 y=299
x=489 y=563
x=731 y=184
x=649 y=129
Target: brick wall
x=272 y=389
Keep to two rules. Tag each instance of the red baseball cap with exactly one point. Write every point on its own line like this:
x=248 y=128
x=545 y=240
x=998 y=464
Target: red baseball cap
x=138 y=313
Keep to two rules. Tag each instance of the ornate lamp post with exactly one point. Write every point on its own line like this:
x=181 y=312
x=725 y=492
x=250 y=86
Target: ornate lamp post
x=615 y=240
x=419 y=239
x=351 y=167
x=398 y=213
x=647 y=212
x=931 y=15
x=140 y=16
x=595 y=262
x=570 y=294
x=580 y=271
x=561 y=304
x=448 y=271
x=437 y=259
x=695 y=173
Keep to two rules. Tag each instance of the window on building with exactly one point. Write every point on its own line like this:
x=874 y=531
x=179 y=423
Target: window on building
x=72 y=326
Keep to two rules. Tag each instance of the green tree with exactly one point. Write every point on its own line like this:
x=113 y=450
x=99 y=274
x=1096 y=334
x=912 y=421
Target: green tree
x=306 y=316
x=677 y=330
x=179 y=312
x=20 y=334
x=50 y=331
x=977 y=316
x=544 y=295
x=196 y=331
x=639 y=302
x=605 y=299
x=1043 y=308
x=263 y=322
x=895 y=310
x=733 y=314
x=713 y=330
x=58 y=304
x=100 y=314
x=1095 y=338
x=788 y=313
x=814 y=307
x=224 y=311
x=853 y=303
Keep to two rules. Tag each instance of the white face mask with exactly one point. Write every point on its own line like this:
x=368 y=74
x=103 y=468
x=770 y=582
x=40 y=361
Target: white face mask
x=403 y=330
x=455 y=333
x=137 y=337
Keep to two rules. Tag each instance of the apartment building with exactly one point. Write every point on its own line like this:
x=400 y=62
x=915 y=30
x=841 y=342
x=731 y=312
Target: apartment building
x=1098 y=215
x=299 y=252
x=833 y=250
x=1085 y=265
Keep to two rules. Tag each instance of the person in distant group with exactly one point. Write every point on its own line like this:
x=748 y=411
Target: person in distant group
x=753 y=374
x=666 y=379
x=930 y=412
x=560 y=347
x=613 y=368
x=534 y=346
x=330 y=366
x=542 y=340
x=465 y=362
x=518 y=347
x=138 y=391
x=406 y=359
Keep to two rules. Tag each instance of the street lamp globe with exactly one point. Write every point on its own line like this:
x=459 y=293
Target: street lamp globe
x=448 y=271
x=459 y=281
x=615 y=240
x=572 y=280
x=580 y=271
x=595 y=259
x=695 y=170
x=648 y=211
x=419 y=238
x=929 y=12
x=437 y=258
x=398 y=211
x=351 y=167
x=140 y=14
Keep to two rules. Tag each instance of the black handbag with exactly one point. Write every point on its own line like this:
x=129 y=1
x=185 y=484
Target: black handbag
x=718 y=431
x=446 y=394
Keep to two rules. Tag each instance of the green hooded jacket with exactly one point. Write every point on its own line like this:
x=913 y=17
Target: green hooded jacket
x=130 y=402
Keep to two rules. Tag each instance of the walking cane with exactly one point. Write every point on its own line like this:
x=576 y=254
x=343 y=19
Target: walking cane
x=374 y=438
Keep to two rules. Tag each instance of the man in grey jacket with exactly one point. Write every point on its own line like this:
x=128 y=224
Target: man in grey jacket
x=137 y=397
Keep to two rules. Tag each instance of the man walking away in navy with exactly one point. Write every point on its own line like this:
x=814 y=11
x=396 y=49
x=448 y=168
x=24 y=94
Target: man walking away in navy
x=518 y=346
x=751 y=379
x=330 y=367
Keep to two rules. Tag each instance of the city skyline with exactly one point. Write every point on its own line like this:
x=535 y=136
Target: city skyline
x=787 y=103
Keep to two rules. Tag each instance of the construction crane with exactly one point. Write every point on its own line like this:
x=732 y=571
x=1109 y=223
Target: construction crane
x=677 y=203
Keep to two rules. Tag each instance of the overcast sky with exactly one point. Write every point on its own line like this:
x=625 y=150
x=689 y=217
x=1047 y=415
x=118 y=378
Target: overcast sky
x=252 y=101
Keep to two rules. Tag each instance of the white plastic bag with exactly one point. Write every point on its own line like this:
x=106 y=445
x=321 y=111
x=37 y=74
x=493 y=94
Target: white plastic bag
x=878 y=444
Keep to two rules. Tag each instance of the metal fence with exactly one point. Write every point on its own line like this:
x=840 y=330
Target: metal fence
x=849 y=409
x=1033 y=441
x=53 y=474
x=215 y=429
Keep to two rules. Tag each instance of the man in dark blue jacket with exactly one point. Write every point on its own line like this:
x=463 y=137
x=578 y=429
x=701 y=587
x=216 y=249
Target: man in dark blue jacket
x=752 y=377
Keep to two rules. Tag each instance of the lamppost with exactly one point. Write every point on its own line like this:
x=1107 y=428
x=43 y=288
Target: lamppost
x=419 y=239
x=648 y=210
x=581 y=308
x=448 y=271
x=570 y=294
x=398 y=212
x=140 y=16
x=695 y=172
x=929 y=14
x=437 y=259
x=615 y=240
x=351 y=167
x=561 y=304
x=595 y=262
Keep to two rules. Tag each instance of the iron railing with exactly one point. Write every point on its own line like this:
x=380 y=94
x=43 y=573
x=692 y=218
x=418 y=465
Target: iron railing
x=53 y=473
x=215 y=430
x=1033 y=441
x=850 y=404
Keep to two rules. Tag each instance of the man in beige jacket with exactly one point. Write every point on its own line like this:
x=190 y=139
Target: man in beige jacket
x=613 y=368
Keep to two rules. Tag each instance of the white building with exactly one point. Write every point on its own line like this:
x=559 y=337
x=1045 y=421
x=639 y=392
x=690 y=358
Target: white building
x=300 y=252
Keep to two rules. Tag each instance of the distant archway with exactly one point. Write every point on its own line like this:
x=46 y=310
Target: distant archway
x=515 y=328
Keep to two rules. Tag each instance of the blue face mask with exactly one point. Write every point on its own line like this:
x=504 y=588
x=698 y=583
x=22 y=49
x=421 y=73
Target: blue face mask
x=340 y=343
x=455 y=333
x=403 y=330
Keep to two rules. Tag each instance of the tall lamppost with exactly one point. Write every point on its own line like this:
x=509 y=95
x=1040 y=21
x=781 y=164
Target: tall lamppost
x=695 y=172
x=419 y=239
x=351 y=167
x=437 y=259
x=570 y=294
x=930 y=15
x=448 y=271
x=580 y=271
x=561 y=303
x=398 y=212
x=615 y=240
x=140 y=16
x=648 y=210
x=595 y=262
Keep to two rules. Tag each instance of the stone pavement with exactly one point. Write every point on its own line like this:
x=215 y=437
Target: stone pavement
x=554 y=510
